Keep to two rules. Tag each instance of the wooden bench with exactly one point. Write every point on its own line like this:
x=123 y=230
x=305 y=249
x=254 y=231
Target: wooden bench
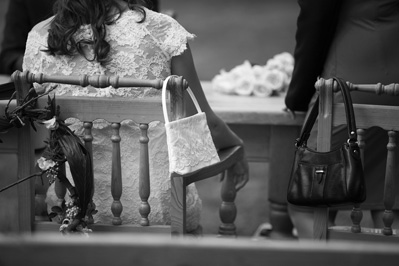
x=142 y=111
x=155 y=250
x=332 y=113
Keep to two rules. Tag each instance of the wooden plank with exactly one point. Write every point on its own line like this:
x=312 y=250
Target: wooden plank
x=156 y=250
x=367 y=234
x=52 y=227
x=383 y=116
x=26 y=205
x=117 y=109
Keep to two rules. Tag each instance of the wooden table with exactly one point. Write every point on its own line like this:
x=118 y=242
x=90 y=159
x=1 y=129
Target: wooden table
x=269 y=134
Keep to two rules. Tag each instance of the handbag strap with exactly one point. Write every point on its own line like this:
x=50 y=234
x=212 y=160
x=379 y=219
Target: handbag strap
x=190 y=92
x=314 y=112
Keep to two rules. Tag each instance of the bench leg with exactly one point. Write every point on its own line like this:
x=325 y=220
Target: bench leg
x=228 y=209
x=281 y=159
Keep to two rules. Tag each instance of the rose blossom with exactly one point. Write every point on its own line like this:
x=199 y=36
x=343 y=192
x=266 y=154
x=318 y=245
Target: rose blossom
x=45 y=164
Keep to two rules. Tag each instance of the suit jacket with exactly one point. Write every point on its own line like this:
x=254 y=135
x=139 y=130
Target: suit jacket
x=315 y=30
x=21 y=16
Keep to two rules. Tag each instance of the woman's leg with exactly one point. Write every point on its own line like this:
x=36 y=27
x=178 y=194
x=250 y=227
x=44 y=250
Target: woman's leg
x=302 y=218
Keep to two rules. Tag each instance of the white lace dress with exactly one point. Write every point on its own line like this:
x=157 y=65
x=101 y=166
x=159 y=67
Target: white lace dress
x=138 y=50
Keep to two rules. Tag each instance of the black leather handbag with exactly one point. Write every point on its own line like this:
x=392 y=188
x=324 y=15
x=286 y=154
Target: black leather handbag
x=326 y=179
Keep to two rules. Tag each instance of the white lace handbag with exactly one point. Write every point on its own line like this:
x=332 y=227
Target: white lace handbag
x=189 y=140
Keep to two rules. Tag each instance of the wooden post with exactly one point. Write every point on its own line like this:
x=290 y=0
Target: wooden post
x=325 y=88
x=144 y=176
x=116 y=178
x=25 y=154
x=177 y=87
x=280 y=170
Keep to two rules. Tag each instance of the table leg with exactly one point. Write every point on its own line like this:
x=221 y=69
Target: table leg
x=282 y=149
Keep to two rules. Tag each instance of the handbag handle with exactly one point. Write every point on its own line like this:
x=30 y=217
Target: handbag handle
x=350 y=116
x=190 y=92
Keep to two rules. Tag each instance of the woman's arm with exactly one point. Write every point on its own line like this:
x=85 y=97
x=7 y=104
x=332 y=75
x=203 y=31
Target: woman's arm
x=223 y=136
x=315 y=30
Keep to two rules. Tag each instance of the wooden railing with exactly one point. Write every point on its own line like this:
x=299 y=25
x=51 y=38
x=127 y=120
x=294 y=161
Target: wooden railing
x=143 y=249
x=142 y=111
x=383 y=116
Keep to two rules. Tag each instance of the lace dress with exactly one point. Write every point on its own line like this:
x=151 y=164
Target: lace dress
x=138 y=50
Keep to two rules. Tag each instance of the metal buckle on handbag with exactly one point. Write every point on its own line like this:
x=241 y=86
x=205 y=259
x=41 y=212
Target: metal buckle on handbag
x=319 y=174
x=351 y=142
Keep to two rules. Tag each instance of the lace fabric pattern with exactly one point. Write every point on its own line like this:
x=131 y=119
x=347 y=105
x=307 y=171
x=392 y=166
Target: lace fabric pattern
x=138 y=50
x=190 y=144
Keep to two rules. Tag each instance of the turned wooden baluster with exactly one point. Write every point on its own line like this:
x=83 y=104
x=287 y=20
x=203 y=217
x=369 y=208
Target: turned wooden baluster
x=357 y=213
x=95 y=81
x=116 y=176
x=88 y=137
x=379 y=89
x=228 y=209
x=389 y=190
x=88 y=140
x=144 y=176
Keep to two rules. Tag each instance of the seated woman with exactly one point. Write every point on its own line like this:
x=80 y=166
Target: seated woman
x=125 y=38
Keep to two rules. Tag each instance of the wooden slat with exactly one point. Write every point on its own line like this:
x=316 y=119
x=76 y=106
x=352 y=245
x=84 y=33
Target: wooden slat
x=51 y=227
x=178 y=205
x=144 y=176
x=367 y=234
x=116 y=175
x=115 y=109
x=366 y=115
x=25 y=166
x=142 y=249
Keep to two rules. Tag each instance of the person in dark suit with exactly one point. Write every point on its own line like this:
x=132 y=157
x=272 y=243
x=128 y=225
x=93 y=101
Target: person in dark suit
x=21 y=16
x=355 y=40
x=316 y=25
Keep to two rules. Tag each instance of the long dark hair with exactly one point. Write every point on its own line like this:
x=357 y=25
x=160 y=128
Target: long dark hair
x=70 y=15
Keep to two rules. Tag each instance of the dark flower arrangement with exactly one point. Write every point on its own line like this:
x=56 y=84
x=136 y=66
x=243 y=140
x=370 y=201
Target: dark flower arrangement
x=63 y=146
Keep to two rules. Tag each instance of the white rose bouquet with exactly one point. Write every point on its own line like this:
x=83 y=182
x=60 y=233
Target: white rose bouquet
x=266 y=80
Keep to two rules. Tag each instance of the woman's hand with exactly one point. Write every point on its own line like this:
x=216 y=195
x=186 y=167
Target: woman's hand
x=239 y=172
